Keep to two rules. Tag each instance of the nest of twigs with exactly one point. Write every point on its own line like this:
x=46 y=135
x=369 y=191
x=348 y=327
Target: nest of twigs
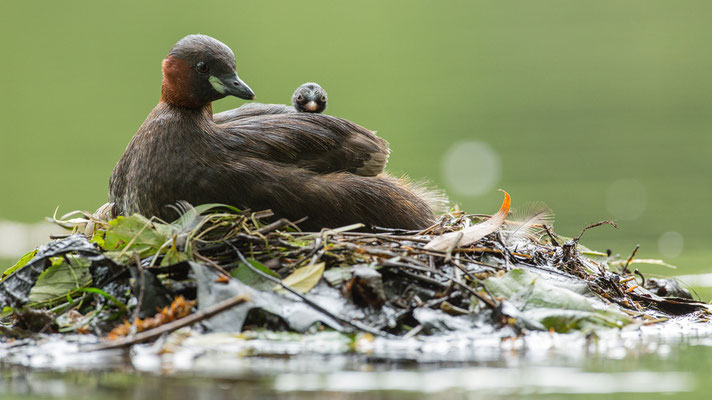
x=382 y=280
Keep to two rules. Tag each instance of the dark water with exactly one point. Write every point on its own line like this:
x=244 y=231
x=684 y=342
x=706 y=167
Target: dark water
x=681 y=371
x=648 y=364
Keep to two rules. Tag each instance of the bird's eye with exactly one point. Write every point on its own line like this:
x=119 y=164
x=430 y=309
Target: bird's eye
x=300 y=98
x=201 y=67
x=323 y=99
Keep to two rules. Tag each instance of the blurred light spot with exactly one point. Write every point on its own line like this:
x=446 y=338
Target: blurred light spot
x=471 y=168
x=626 y=199
x=670 y=244
x=17 y=238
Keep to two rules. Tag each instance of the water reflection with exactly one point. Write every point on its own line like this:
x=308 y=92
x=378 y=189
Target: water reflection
x=531 y=380
x=648 y=362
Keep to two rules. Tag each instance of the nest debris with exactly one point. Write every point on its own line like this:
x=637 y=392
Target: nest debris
x=384 y=279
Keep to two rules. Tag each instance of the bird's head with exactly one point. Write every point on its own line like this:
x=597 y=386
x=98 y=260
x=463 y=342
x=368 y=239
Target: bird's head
x=310 y=97
x=199 y=70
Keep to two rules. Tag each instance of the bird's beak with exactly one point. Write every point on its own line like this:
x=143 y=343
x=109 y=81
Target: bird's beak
x=311 y=106
x=232 y=85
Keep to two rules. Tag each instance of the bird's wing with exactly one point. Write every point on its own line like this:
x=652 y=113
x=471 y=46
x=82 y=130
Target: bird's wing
x=251 y=110
x=328 y=200
x=317 y=142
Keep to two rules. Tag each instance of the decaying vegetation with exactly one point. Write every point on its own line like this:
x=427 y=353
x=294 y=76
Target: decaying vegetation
x=233 y=272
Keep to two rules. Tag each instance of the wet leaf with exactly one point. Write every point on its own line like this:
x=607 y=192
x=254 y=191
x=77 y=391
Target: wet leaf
x=20 y=263
x=15 y=289
x=553 y=305
x=303 y=279
x=251 y=278
x=61 y=278
x=296 y=313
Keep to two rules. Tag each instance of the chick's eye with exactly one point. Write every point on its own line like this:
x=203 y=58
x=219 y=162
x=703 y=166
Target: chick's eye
x=300 y=98
x=323 y=98
x=201 y=67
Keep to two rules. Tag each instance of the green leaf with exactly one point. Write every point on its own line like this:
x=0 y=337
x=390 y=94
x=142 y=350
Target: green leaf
x=251 y=278
x=303 y=279
x=173 y=256
x=20 y=263
x=555 y=306
x=193 y=212
x=211 y=206
x=61 y=278
x=136 y=233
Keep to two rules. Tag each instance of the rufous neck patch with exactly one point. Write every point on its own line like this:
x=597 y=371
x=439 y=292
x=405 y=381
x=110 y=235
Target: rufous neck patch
x=177 y=87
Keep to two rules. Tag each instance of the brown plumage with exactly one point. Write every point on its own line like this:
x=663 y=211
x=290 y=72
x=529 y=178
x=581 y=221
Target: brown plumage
x=251 y=110
x=257 y=156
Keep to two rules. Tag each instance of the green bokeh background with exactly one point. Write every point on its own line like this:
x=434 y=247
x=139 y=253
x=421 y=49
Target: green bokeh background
x=572 y=95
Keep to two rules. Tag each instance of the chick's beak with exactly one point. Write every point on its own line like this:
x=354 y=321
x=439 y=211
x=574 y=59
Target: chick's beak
x=232 y=85
x=311 y=105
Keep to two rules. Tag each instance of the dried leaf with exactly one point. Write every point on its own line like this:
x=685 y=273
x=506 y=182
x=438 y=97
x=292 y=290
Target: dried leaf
x=303 y=279
x=473 y=233
x=179 y=308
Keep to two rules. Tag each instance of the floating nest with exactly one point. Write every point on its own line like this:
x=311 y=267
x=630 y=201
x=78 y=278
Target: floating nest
x=131 y=279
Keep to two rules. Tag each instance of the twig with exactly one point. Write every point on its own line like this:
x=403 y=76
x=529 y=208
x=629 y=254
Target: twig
x=386 y=236
x=413 y=332
x=451 y=247
x=142 y=287
x=213 y=263
x=488 y=302
x=354 y=324
x=387 y=253
x=551 y=236
x=418 y=277
x=280 y=223
x=317 y=246
x=428 y=304
x=597 y=224
x=335 y=231
x=641 y=277
x=169 y=327
x=630 y=259
x=318 y=250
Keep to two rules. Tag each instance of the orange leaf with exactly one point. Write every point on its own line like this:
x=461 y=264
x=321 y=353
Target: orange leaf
x=473 y=233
